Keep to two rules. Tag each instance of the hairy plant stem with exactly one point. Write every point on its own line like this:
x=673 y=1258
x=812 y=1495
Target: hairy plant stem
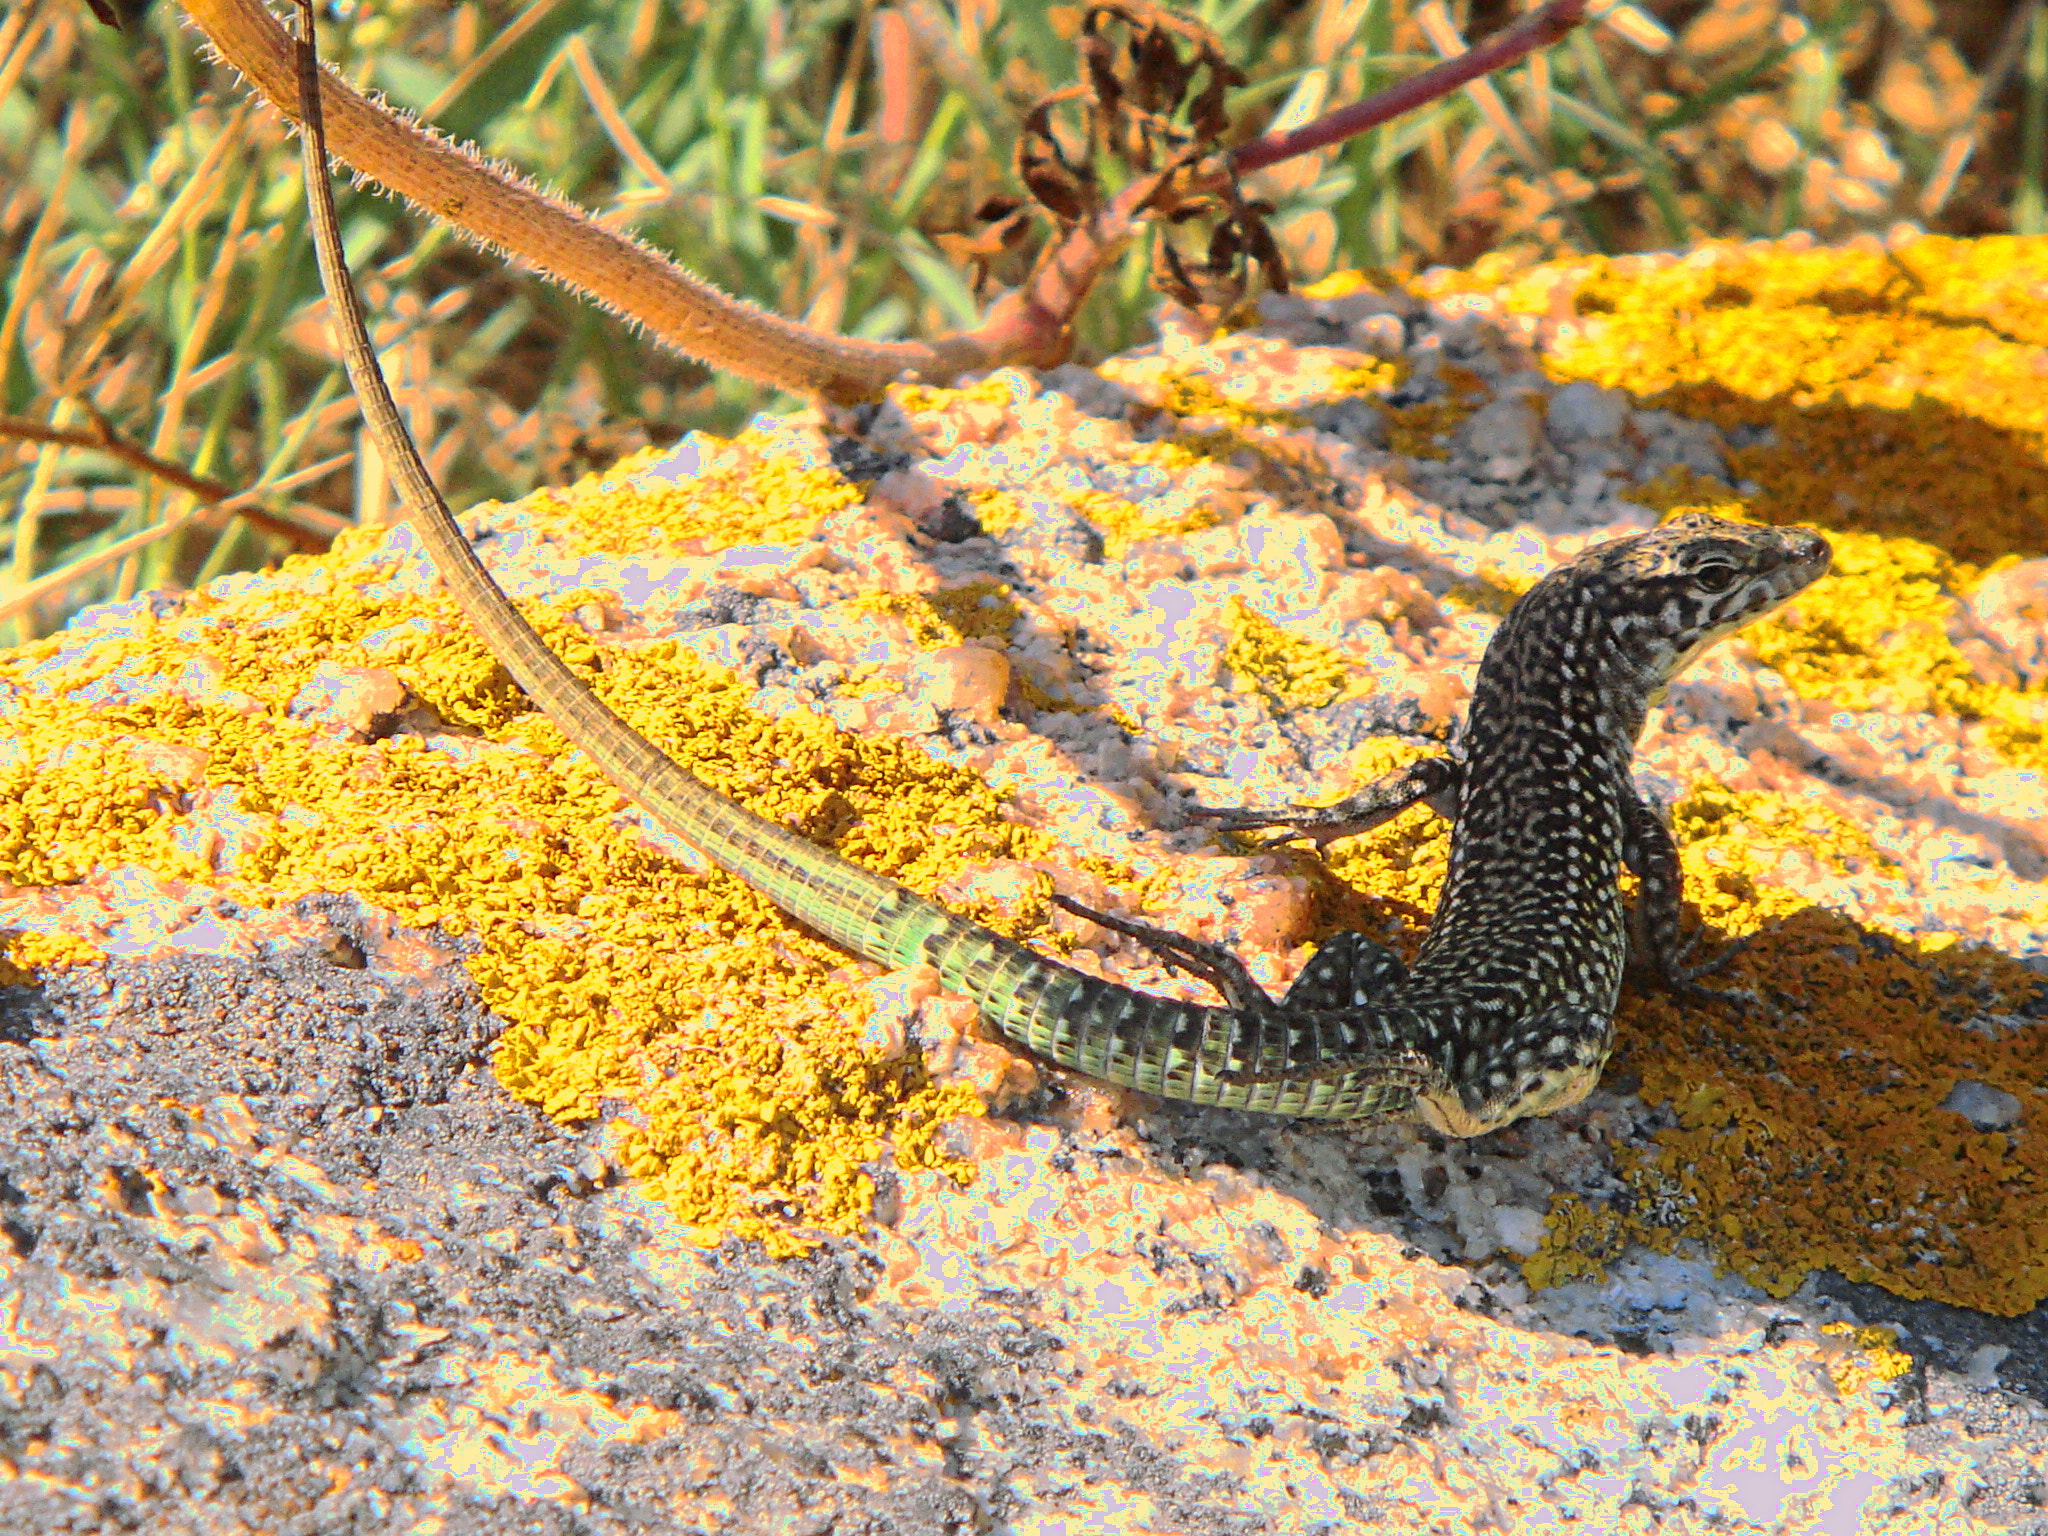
x=1033 y=324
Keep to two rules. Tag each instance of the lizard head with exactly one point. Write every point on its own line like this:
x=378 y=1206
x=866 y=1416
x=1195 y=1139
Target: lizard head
x=1670 y=593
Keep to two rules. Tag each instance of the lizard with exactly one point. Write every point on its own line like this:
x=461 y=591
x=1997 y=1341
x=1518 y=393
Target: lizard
x=1508 y=1009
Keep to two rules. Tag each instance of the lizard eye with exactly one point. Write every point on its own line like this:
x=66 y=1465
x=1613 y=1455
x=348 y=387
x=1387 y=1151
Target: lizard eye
x=1718 y=577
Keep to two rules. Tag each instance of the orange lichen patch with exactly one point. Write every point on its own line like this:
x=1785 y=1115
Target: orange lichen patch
x=1906 y=388
x=1292 y=671
x=1811 y=1129
x=981 y=610
x=1682 y=489
x=752 y=489
x=616 y=967
x=1581 y=1238
x=1420 y=431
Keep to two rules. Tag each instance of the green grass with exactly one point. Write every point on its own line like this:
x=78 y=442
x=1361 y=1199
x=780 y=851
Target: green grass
x=809 y=156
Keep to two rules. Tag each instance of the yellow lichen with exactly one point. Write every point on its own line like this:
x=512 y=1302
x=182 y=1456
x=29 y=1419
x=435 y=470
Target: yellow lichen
x=1810 y=1130
x=1505 y=270
x=521 y=842
x=1868 y=1355
x=1874 y=634
x=1495 y=592
x=1903 y=386
x=1404 y=862
x=1005 y=389
x=1193 y=394
x=867 y=680
x=751 y=490
x=981 y=610
x=1378 y=377
x=1123 y=523
x=1291 y=671
x=1421 y=431
x=1202 y=493
x=26 y=953
x=85 y=805
x=1742 y=852
x=1336 y=285
x=1580 y=1239
x=998 y=512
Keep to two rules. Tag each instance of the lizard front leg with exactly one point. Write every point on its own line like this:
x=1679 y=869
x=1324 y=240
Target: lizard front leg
x=1347 y=971
x=1656 y=925
x=1435 y=781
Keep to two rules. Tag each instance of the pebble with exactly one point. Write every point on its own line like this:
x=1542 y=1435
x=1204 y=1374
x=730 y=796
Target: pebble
x=1985 y=1107
x=1581 y=412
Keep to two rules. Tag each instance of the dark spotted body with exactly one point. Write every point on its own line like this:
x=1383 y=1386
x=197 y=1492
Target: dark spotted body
x=1509 y=1008
x=1511 y=1000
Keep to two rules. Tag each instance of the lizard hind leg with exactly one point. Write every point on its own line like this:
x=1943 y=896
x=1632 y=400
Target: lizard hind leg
x=1348 y=971
x=1217 y=966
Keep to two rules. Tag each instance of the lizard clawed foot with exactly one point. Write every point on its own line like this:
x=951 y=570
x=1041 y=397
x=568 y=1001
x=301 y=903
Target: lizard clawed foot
x=1296 y=824
x=1682 y=980
x=1434 y=781
x=1204 y=961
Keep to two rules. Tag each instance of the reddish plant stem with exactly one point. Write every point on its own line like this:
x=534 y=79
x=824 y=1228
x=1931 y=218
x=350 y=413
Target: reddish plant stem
x=1539 y=29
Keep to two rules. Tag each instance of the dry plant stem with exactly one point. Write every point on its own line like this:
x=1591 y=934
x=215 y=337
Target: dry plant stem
x=1955 y=154
x=105 y=440
x=64 y=577
x=1031 y=325
x=509 y=215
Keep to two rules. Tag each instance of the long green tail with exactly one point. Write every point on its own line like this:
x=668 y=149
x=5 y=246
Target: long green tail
x=1109 y=1032
x=1157 y=1045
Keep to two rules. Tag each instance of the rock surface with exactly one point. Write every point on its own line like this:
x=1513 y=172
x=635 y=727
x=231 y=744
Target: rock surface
x=281 y=1253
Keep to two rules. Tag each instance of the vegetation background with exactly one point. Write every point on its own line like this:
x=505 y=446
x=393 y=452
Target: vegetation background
x=827 y=158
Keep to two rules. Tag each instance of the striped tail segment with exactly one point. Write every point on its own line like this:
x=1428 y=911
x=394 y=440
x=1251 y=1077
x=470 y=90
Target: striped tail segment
x=1158 y=1045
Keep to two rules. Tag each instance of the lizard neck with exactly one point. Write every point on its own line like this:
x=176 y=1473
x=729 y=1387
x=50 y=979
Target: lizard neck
x=1531 y=910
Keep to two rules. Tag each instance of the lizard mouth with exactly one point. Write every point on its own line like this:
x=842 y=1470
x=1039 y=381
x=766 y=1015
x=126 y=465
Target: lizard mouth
x=1809 y=562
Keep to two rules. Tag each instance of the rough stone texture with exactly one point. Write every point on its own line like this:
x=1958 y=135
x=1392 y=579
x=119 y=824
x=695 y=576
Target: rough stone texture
x=280 y=1256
